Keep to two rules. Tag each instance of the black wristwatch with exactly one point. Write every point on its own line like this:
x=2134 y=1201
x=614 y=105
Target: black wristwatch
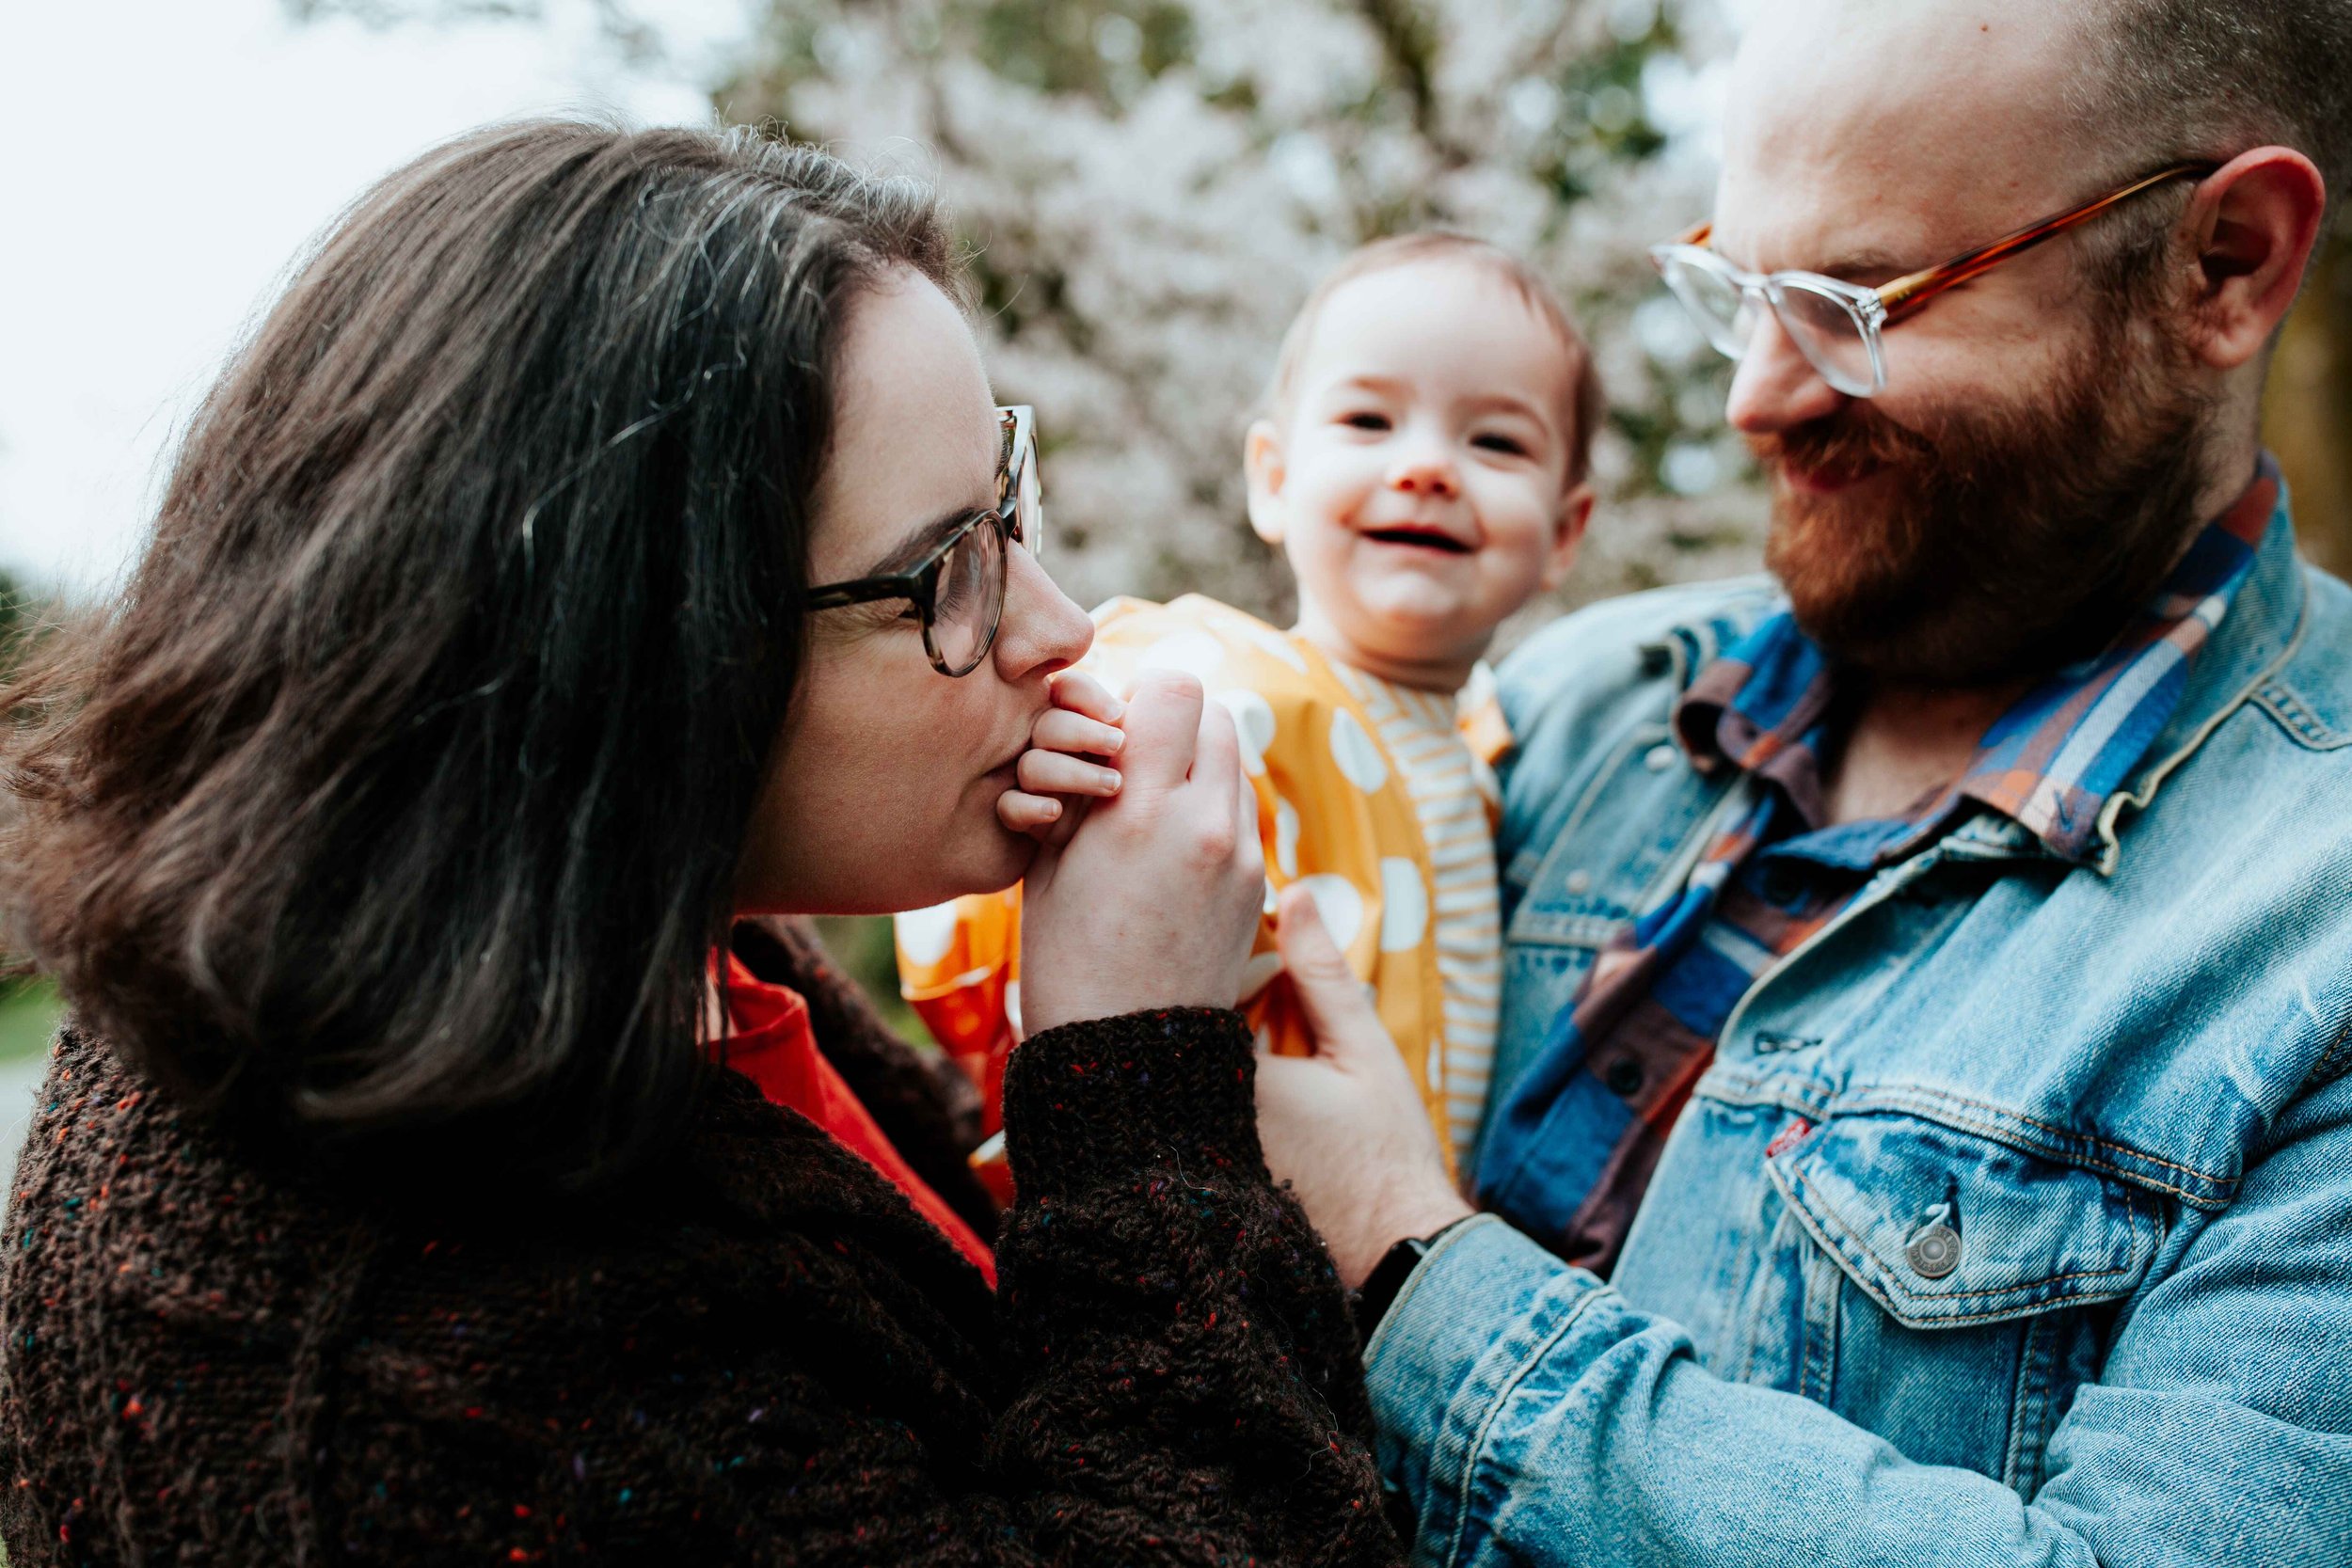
x=1388 y=1276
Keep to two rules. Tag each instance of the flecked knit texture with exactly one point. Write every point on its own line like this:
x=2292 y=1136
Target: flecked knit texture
x=758 y=1355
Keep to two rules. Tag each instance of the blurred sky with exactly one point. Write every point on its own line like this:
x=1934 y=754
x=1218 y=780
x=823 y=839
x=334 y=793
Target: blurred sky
x=160 y=163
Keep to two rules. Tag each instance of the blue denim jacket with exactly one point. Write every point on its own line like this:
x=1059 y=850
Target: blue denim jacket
x=2130 y=1078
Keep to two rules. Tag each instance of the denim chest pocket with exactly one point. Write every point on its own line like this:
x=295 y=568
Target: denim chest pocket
x=1957 y=1290
x=1943 y=1227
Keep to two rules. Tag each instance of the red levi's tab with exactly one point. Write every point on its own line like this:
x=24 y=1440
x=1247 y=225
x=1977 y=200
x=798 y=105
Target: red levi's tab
x=768 y=1042
x=1788 y=1137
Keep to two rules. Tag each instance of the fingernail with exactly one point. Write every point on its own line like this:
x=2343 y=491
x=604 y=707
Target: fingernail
x=1108 y=778
x=1112 y=742
x=1053 y=811
x=1119 y=711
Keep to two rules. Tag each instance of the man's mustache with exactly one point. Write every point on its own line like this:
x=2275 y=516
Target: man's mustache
x=1854 y=438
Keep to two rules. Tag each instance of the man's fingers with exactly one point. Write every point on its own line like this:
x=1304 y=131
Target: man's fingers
x=1080 y=692
x=1163 y=729
x=1245 y=825
x=1216 y=750
x=1338 y=1004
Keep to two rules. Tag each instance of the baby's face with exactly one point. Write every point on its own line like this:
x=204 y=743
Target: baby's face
x=1418 y=481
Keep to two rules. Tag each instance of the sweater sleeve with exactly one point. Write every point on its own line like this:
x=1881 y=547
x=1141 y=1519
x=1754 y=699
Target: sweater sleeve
x=1174 y=1378
x=1175 y=1328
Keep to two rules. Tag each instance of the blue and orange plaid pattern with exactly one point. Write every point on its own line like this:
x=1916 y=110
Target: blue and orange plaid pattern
x=1569 y=1150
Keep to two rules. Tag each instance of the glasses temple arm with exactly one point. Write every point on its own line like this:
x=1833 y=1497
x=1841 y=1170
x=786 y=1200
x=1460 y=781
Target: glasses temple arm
x=906 y=585
x=1918 y=287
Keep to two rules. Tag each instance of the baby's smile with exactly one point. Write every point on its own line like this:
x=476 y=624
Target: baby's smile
x=1420 y=536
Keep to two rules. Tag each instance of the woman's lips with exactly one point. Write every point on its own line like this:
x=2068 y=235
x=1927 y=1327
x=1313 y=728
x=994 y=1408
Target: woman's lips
x=1005 y=774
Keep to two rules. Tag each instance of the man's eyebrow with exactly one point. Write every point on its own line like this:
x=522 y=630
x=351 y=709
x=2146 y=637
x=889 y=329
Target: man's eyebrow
x=1866 y=266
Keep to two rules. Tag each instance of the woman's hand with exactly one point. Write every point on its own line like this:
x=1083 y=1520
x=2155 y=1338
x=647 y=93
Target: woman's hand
x=1152 y=900
x=1345 y=1127
x=1071 y=748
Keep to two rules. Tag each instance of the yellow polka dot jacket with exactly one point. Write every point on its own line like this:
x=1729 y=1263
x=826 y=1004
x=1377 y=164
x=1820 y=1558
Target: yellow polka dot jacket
x=757 y=1354
x=1334 y=811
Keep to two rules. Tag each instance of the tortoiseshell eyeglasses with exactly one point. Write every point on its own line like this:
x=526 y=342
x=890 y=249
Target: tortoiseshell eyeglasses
x=957 y=589
x=1836 y=324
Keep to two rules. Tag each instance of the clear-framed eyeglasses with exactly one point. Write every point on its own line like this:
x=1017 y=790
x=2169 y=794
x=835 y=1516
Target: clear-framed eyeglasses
x=1838 y=326
x=956 y=591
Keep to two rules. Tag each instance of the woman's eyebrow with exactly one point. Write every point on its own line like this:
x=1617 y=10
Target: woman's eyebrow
x=920 y=541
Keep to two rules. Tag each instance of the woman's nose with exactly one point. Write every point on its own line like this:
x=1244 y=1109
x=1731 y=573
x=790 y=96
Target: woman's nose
x=1043 y=629
x=1776 y=387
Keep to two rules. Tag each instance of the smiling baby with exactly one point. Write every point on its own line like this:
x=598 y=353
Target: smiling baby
x=1422 y=462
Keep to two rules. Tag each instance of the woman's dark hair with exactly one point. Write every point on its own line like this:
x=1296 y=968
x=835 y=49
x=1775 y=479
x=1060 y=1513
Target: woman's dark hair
x=397 y=803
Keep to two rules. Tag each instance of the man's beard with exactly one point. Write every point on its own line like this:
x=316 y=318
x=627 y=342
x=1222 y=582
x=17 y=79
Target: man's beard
x=2004 y=543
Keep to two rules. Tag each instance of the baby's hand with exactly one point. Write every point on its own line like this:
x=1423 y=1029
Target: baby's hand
x=1066 y=765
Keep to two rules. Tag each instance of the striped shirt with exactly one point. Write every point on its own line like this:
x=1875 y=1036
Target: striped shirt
x=1572 y=1146
x=1453 y=793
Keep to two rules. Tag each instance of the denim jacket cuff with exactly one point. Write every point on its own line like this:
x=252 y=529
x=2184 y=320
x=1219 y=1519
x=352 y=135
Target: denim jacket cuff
x=1480 y=1309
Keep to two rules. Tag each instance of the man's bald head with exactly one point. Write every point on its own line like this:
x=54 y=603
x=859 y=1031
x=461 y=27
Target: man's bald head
x=1894 y=131
x=2024 y=101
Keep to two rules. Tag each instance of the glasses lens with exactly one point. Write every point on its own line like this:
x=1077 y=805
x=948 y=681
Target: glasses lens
x=1718 y=304
x=1023 y=495
x=969 y=598
x=1831 y=337
x=1028 y=503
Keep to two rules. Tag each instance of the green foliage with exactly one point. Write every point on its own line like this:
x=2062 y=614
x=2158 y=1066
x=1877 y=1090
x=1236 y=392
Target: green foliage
x=29 y=1010
x=867 y=950
x=28 y=1005
x=15 y=618
x=1107 y=50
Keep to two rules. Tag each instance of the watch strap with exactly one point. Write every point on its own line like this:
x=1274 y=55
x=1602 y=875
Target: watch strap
x=1380 y=1289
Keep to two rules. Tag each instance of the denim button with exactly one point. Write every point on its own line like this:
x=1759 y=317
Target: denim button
x=1623 y=1076
x=1935 y=1251
x=1580 y=881
x=1659 y=758
x=1782 y=884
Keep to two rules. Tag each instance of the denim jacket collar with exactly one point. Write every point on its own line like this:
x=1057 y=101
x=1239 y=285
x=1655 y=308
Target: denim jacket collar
x=2249 y=649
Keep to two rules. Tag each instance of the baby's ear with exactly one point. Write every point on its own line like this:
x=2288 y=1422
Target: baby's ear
x=1262 y=460
x=1567 y=533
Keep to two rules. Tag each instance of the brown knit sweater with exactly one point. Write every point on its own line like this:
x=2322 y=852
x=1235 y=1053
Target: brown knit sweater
x=758 y=1355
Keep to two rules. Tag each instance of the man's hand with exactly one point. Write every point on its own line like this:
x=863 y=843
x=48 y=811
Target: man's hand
x=1345 y=1127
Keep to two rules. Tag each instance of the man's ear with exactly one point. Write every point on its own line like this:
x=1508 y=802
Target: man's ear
x=1262 y=460
x=2255 y=221
x=1567 y=533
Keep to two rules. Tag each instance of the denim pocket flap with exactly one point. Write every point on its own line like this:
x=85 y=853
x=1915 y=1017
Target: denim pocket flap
x=1943 y=1227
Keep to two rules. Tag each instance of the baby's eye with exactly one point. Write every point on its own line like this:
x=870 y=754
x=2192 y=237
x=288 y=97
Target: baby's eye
x=1496 y=441
x=1366 y=419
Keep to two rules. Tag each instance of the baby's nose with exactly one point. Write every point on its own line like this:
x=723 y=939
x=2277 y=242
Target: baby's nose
x=1424 y=476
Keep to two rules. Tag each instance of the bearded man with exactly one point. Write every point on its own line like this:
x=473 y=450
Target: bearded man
x=1924 y=1122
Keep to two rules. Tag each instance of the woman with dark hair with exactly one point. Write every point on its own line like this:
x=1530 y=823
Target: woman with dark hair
x=609 y=537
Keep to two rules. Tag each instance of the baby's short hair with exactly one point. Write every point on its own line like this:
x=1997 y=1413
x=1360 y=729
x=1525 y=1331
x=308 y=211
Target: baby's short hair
x=1585 y=401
